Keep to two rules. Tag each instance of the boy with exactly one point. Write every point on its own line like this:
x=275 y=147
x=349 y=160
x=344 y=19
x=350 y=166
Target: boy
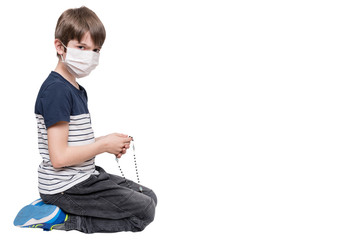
x=76 y=194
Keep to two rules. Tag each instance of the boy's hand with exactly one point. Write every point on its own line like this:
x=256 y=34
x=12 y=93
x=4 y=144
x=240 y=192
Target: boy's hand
x=116 y=143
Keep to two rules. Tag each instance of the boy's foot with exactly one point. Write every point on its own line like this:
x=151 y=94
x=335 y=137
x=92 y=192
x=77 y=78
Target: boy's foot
x=41 y=215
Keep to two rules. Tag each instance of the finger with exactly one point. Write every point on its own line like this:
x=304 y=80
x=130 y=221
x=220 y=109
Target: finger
x=118 y=155
x=121 y=135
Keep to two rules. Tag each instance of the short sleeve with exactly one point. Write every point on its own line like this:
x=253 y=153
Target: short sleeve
x=55 y=104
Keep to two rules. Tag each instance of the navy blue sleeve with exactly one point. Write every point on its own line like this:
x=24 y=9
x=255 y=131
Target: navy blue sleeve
x=55 y=104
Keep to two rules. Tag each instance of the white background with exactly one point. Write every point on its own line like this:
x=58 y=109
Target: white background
x=245 y=114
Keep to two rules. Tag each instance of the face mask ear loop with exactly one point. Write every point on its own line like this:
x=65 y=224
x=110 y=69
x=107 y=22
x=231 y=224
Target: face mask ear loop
x=62 y=58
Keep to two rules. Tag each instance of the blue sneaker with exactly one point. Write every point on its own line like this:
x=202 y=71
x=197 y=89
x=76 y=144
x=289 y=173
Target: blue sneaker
x=40 y=215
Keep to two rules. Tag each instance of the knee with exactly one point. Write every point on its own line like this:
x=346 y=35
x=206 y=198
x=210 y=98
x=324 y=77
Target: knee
x=146 y=218
x=149 y=214
x=153 y=196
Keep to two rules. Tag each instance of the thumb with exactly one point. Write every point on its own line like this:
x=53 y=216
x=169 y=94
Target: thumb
x=122 y=135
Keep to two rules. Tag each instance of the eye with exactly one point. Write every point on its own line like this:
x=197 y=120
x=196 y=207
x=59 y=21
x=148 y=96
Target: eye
x=81 y=47
x=96 y=50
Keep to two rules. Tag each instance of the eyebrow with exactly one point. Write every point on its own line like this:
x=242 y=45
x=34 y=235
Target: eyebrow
x=81 y=43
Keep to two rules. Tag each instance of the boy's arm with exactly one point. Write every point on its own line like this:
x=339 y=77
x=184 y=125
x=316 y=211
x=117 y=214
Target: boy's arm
x=99 y=138
x=62 y=155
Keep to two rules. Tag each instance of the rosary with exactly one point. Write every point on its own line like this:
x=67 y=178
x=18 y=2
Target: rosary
x=136 y=169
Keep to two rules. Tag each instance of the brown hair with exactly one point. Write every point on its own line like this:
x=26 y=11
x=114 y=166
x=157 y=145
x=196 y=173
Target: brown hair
x=74 y=23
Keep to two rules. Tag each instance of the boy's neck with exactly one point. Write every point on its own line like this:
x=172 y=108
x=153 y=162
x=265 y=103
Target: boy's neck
x=61 y=69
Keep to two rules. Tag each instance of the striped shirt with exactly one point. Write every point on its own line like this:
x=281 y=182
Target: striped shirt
x=58 y=100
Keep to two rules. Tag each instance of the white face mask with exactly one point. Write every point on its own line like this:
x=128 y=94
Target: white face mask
x=80 y=62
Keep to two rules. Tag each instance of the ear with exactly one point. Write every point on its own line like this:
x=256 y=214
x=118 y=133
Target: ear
x=59 y=47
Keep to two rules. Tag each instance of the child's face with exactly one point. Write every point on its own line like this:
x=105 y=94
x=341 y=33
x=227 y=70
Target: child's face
x=86 y=43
